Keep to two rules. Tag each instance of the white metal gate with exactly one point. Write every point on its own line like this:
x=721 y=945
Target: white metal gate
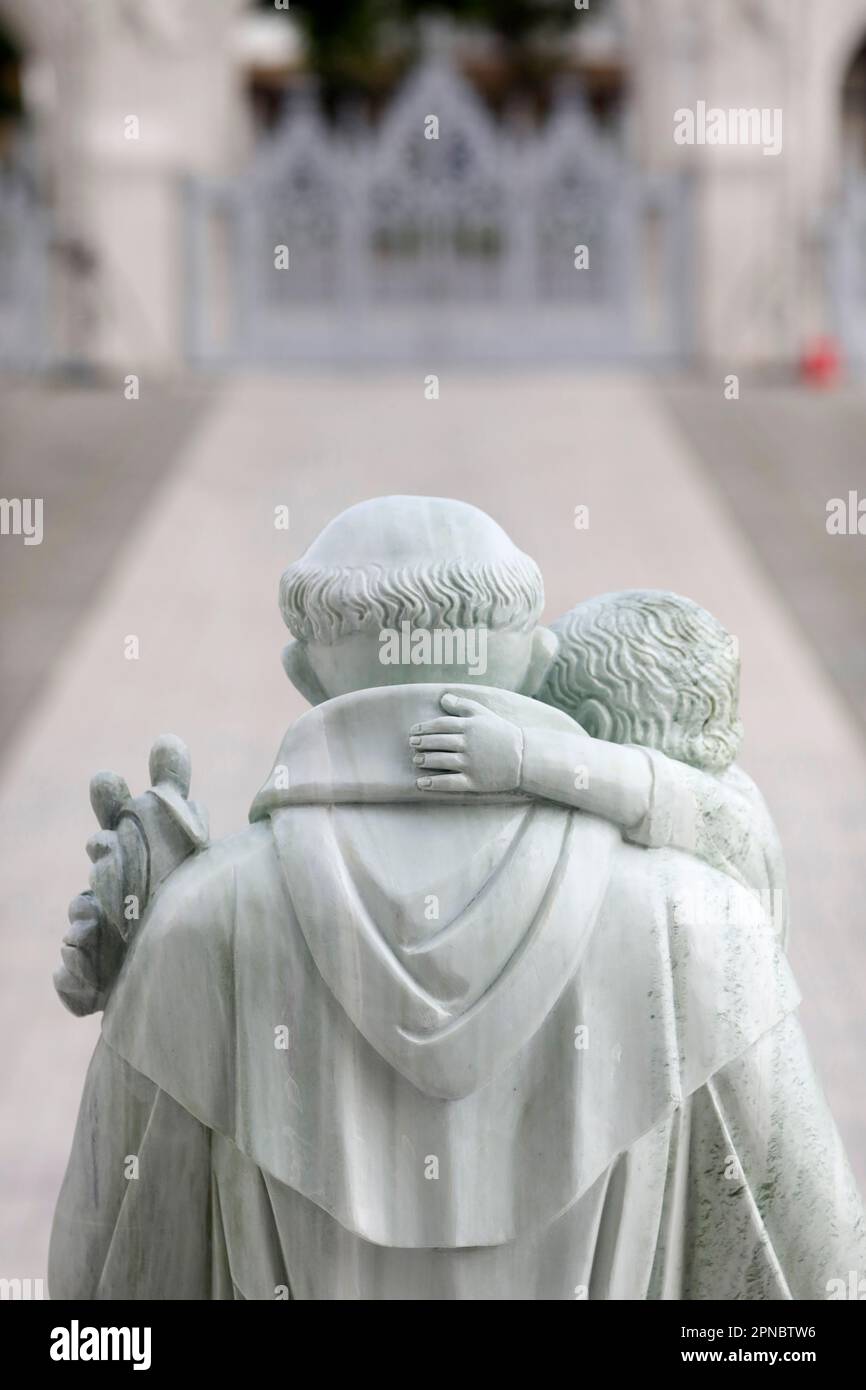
x=463 y=246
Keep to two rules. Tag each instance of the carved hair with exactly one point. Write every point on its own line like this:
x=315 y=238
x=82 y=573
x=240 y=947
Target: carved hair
x=650 y=668
x=324 y=602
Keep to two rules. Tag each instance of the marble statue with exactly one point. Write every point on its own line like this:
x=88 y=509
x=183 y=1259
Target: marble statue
x=490 y=999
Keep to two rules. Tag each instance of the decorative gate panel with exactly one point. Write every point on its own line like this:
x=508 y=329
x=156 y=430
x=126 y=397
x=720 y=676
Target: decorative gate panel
x=462 y=246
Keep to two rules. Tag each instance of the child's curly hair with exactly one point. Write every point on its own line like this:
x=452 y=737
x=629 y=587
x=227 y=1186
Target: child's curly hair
x=648 y=667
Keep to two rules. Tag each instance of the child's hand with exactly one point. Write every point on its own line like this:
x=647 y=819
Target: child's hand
x=470 y=748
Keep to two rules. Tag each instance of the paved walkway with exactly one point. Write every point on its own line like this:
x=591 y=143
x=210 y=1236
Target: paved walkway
x=777 y=456
x=196 y=583
x=97 y=461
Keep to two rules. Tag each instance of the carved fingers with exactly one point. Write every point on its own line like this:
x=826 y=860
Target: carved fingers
x=140 y=841
x=453 y=782
x=91 y=954
x=470 y=748
x=119 y=874
x=170 y=762
x=460 y=705
x=108 y=794
x=443 y=743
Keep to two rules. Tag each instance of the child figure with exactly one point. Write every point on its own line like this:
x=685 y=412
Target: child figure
x=652 y=680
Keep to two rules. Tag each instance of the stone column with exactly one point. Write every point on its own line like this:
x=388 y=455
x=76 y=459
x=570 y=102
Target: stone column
x=755 y=280
x=140 y=94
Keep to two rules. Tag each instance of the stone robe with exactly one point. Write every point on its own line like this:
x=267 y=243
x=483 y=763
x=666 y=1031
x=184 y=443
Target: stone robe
x=381 y=1048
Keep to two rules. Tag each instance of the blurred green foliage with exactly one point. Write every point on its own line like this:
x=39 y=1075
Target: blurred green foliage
x=335 y=25
x=352 y=42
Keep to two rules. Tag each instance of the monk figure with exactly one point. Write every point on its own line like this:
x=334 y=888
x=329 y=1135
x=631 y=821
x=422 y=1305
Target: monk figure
x=523 y=1040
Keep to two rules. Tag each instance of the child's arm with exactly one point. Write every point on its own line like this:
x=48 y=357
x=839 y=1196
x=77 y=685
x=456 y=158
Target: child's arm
x=611 y=780
x=661 y=803
x=655 y=800
x=472 y=749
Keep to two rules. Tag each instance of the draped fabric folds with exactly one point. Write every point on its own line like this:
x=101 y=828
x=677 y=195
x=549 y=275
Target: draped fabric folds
x=399 y=1050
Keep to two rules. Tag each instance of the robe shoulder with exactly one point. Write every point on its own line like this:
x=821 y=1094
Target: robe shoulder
x=222 y=1005
x=195 y=907
x=178 y=982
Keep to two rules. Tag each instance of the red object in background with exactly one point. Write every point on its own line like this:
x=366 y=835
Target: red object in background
x=821 y=363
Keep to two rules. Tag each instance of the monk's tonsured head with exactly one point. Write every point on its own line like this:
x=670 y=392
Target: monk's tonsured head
x=409 y=589
x=648 y=667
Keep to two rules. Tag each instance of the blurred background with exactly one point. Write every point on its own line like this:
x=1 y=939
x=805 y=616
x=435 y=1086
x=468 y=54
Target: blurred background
x=257 y=257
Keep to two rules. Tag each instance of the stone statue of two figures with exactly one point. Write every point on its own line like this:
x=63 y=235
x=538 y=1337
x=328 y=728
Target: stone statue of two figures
x=490 y=999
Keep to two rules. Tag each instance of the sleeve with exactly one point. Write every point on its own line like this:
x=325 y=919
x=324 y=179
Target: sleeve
x=761 y=1203
x=723 y=821
x=609 y=780
x=133 y=1216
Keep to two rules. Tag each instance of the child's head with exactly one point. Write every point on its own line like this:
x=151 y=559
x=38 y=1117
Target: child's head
x=648 y=667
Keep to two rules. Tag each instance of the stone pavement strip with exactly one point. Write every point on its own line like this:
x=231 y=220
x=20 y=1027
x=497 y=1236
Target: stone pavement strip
x=97 y=461
x=777 y=456
x=196 y=583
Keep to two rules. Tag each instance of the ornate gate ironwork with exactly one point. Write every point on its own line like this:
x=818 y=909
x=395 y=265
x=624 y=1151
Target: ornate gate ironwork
x=403 y=247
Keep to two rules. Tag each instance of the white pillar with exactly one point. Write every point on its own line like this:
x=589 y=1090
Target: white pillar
x=758 y=284
x=116 y=188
